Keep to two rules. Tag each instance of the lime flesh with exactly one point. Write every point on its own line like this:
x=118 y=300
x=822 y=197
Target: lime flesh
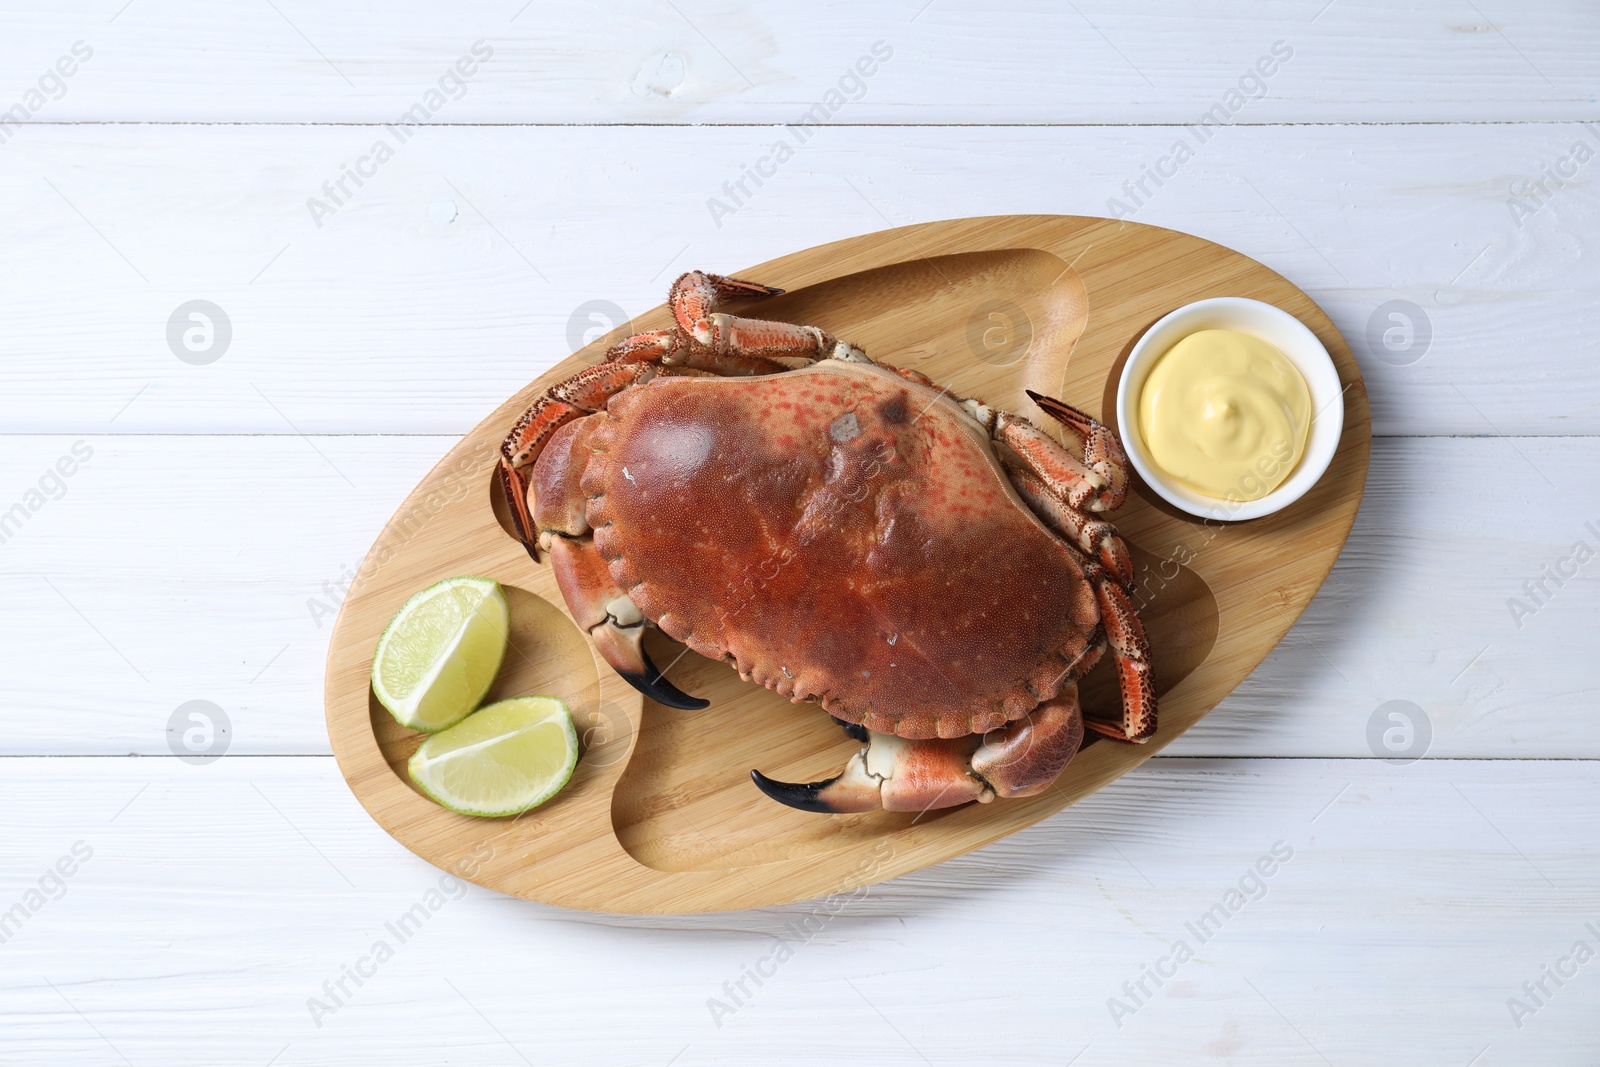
x=502 y=760
x=440 y=654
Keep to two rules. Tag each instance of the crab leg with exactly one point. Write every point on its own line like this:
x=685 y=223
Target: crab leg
x=615 y=624
x=1067 y=479
x=1020 y=759
x=695 y=296
x=1101 y=449
x=1096 y=537
x=1130 y=650
x=1058 y=488
x=653 y=346
x=582 y=394
x=673 y=348
x=1098 y=482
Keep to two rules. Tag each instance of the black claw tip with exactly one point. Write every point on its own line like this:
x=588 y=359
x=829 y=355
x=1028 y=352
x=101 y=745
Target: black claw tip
x=853 y=730
x=657 y=688
x=653 y=684
x=803 y=797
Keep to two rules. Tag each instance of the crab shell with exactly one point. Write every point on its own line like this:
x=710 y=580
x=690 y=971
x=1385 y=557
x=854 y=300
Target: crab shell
x=840 y=534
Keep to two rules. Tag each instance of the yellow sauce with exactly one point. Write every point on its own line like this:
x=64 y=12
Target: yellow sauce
x=1225 y=414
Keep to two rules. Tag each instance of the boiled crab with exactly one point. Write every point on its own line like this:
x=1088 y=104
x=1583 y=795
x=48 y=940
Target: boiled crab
x=926 y=568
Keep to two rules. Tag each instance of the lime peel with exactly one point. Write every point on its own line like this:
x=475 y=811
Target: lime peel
x=502 y=760
x=440 y=653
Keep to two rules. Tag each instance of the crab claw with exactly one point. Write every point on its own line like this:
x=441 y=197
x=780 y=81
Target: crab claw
x=653 y=684
x=891 y=773
x=615 y=624
x=826 y=797
x=851 y=790
x=1020 y=759
x=841 y=793
x=623 y=648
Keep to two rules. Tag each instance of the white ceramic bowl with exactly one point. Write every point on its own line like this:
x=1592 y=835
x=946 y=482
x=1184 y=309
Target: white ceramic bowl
x=1279 y=329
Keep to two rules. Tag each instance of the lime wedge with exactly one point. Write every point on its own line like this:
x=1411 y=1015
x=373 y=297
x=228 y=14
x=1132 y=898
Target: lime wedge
x=507 y=758
x=441 y=652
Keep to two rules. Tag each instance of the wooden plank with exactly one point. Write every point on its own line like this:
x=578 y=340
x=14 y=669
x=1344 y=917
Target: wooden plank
x=388 y=320
x=1414 y=903
x=950 y=61
x=212 y=564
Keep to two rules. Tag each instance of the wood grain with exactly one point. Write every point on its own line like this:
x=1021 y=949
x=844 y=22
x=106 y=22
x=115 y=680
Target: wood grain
x=689 y=62
x=686 y=832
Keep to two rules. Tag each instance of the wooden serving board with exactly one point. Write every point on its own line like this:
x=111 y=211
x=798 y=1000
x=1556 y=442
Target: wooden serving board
x=661 y=815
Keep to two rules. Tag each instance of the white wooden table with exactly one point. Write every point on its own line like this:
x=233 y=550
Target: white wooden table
x=1437 y=153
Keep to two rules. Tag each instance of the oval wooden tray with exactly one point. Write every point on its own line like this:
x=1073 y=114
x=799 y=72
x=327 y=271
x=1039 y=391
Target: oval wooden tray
x=661 y=815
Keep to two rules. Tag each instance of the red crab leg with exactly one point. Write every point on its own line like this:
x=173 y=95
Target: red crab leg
x=695 y=295
x=1095 y=536
x=730 y=362
x=582 y=394
x=1067 y=479
x=763 y=339
x=1101 y=449
x=654 y=346
x=1131 y=652
x=673 y=348
x=1020 y=759
x=694 y=299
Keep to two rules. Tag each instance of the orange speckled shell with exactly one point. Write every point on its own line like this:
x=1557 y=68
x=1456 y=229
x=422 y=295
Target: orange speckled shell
x=839 y=534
